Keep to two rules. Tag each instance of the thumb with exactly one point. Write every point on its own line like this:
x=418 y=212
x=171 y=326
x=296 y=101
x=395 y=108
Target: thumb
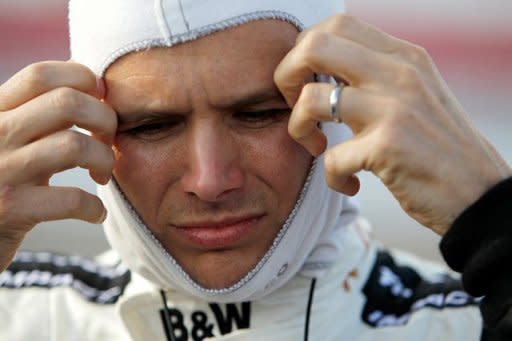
x=342 y=162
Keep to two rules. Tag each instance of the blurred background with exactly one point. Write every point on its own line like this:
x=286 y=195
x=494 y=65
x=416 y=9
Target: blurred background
x=471 y=42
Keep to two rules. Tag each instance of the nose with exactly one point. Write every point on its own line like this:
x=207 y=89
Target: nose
x=214 y=168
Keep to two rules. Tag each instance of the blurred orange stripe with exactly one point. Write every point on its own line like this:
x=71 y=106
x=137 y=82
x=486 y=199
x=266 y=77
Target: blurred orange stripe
x=24 y=33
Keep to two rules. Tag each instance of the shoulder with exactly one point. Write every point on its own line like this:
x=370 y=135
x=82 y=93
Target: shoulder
x=94 y=282
x=399 y=288
x=411 y=295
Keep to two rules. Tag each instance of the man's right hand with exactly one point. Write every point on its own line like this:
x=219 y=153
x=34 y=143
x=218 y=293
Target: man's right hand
x=38 y=105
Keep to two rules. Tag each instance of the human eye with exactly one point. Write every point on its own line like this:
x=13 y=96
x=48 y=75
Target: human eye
x=261 y=118
x=152 y=130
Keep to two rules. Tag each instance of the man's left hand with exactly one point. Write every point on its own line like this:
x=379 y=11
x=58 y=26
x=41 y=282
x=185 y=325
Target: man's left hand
x=409 y=129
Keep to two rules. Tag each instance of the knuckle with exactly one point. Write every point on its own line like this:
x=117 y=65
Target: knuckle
x=340 y=22
x=378 y=153
x=37 y=75
x=408 y=72
x=399 y=112
x=419 y=55
x=75 y=201
x=301 y=36
x=109 y=157
x=7 y=201
x=83 y=70
x=395 y=107
x=300 y=133
x=385 y=137
x=6 y=167
x=386 y=142
x=9 y=215
x=5 y=128
x=309 y=97
x=278 y=78
x=330 y=165
x=330 y=180
x=408 y=76
x=65 y=100
x=73 y=144
x=333 y=178
x=294 y=133
x=312 y=43
x=111 y=121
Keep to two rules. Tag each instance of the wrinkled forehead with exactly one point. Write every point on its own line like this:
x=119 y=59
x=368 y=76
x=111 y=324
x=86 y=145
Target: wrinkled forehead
x=239 y=49
x=228 y=68
x=103 y=31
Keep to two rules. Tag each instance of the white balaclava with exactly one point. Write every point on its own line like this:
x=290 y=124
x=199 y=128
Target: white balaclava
x=313 y=237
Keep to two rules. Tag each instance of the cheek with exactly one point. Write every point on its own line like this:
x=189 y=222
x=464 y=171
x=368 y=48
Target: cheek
x=143 y=171
x=283 y=163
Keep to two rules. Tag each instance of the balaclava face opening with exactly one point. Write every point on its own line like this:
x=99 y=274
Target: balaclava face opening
x=314 y=235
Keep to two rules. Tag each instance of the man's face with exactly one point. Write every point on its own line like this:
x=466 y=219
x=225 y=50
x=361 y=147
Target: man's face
x=202 y=149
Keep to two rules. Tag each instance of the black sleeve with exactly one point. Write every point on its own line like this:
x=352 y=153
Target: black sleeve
x=479 y=245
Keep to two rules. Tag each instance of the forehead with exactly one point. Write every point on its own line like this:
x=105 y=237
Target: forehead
x=256 y=39
x=245 y=54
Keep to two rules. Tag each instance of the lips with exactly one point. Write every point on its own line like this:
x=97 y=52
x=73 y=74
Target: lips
x=218 y=234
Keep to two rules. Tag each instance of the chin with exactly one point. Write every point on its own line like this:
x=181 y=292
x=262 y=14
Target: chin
x=220 y=269
x=219 y=282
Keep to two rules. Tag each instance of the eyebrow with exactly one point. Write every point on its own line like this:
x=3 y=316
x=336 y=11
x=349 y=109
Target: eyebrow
x=139 y=115
x=250 y=99
x=254 y=98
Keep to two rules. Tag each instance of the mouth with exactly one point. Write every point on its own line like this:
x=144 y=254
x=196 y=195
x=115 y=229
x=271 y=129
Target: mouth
x=218 y=234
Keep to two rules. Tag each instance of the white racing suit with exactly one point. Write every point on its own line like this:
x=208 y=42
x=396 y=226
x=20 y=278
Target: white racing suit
x=370 y=295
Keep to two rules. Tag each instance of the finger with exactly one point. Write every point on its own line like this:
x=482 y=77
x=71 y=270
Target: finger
x=351 y=28
x=39 y=78
x=324 y=53
x=28 y=205
x=357 y=108
x=360 y=32
x=56 y=110
x=351 y=186
x=342 y=162
x=55 y=153
x=308 y=112
x=356 y=30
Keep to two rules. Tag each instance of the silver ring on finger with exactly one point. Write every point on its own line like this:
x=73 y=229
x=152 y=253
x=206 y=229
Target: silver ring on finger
x=334 y=102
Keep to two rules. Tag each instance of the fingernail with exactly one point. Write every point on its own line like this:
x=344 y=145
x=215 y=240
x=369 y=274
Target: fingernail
x=104 y=180
x=108 y=178
x=100 y=85
x=103 y=217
